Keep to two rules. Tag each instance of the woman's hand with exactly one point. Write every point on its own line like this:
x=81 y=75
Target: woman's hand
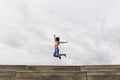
x=54 y=35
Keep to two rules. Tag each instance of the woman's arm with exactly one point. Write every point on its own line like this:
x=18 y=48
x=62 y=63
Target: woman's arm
x=54 y=37
x=64 y=42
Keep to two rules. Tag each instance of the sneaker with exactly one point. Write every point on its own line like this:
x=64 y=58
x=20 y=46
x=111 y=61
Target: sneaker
x=60 y=57
x=65 y=55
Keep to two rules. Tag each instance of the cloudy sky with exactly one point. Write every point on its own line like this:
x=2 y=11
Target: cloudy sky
x=91 y=27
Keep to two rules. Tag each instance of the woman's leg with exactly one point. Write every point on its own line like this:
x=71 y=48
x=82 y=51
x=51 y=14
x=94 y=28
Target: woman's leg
x=62 y=55
x=56 y=53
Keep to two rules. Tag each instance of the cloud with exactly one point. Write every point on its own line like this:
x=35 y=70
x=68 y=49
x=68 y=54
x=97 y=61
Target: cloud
x=90 y=26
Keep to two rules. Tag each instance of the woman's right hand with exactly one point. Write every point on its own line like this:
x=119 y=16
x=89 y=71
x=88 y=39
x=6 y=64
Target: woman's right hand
x=54 y=35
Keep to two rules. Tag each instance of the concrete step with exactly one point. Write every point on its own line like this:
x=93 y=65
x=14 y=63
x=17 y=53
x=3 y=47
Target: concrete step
x=92 y=75
x=53 y=68
x=24 y=75
x=103 y=75
x=38 y=68
x=30 y=72
x=47 y=68
x=51 y=76
x=68 y=75
x=12 y=67
x=7 y=75
x=100 y=68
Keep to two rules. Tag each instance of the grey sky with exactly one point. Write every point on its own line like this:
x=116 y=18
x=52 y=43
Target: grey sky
x=91 y=27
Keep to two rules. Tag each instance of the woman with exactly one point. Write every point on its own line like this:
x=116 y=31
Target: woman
x=56 y=46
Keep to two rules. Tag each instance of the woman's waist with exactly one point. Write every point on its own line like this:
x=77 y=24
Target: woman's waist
x=56 y=47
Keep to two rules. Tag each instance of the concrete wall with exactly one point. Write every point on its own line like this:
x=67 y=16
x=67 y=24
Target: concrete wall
x=93 y=72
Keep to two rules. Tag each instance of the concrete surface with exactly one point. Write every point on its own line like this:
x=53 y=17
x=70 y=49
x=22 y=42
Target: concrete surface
x=47 y=72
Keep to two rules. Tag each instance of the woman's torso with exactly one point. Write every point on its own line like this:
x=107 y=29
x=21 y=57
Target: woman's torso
x=56 y=44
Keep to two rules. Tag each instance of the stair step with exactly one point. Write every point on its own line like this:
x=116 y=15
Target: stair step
x=38 y=68
x=32 y=72
x=100 y=68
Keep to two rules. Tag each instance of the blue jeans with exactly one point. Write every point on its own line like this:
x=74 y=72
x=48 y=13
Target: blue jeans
x=56 y=53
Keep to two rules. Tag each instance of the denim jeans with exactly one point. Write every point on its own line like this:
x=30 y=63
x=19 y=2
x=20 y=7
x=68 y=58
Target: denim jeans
x=56 y=52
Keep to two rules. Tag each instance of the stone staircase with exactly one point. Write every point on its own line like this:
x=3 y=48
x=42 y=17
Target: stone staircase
x=34 y=72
